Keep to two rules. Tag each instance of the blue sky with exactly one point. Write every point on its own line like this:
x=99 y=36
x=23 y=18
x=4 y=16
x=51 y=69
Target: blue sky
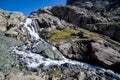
x=27 y=6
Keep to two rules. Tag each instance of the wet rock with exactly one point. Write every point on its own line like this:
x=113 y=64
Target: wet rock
x=47 y=50
x=112 y=74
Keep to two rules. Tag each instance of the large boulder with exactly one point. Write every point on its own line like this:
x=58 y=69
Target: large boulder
x=105 y=54
x=76 y=50
x=47 y=51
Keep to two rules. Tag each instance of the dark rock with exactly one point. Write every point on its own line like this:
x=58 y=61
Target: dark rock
x=114 y=67
x=117 y=11
x=81 y=34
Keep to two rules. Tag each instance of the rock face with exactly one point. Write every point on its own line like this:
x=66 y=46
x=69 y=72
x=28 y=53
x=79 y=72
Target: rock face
x=10 y=20
x=59 y=17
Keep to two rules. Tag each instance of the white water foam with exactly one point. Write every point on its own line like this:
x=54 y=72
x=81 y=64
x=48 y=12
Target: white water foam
x=28 y=25
x=35 y=60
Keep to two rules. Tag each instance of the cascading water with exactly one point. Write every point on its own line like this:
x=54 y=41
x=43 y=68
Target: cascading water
x=31 y=31
x=34 y=60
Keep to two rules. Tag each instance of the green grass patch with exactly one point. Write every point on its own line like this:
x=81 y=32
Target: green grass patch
x=92 y=34
x=60 y=34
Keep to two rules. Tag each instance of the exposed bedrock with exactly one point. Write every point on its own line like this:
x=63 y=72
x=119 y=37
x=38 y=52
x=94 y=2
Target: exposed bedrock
x=59 y=17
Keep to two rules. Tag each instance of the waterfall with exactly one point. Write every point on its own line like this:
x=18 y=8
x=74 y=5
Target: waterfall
x=31 y=30
x=34 y=60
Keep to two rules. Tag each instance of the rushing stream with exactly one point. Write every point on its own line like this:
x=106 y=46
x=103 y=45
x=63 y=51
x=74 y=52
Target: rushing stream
x=34 y=60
